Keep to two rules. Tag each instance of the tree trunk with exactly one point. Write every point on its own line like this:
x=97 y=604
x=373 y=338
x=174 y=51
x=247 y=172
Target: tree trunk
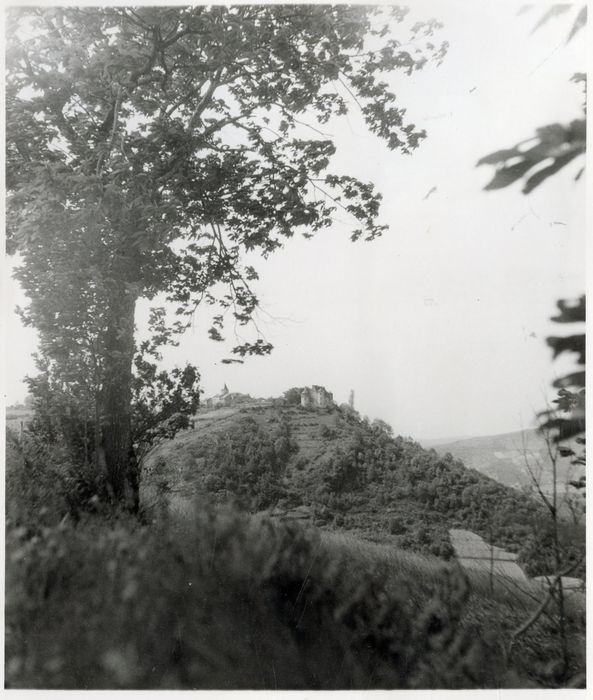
x=116 y=437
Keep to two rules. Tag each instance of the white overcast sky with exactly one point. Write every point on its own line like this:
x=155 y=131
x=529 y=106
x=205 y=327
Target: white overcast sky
x=439 y=326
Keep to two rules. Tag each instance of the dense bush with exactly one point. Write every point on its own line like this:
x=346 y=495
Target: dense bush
x=235 y=602
x=430 y=491
x=350 y=468
x=293 y=396
x=537 y=552
x=44 y=483
x=249 y=462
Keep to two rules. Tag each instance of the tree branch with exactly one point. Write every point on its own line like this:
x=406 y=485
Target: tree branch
x=105 y=156
x=535 y=481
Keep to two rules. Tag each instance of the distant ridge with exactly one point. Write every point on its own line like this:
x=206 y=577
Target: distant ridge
x=502 y=457
x=431 y=442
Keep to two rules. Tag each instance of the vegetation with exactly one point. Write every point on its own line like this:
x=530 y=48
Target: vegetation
x=162 y=402
x=249 y=603
x=273 y=609
x=374 y=614
x=149 y=149
x=354 y=476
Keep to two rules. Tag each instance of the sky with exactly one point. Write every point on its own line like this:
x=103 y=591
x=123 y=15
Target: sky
x=439 y=326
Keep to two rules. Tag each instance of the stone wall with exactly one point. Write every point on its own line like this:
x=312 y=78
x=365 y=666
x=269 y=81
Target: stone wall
x=316 y=397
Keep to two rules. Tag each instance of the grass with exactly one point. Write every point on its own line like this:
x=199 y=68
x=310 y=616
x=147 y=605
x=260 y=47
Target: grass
x=494 y=607
x=228 y=601
x=222 y=600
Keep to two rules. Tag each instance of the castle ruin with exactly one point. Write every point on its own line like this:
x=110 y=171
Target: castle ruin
x=316 y=397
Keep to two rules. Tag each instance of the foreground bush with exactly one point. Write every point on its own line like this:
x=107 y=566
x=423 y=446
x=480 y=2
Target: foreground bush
x=224 y=602
x=44 y=484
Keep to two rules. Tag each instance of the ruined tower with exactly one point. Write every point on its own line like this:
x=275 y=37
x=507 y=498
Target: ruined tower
x=316 y=397
x=351 y=399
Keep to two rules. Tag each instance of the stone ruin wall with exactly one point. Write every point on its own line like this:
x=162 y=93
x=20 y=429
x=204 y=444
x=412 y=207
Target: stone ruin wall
x=316 y=397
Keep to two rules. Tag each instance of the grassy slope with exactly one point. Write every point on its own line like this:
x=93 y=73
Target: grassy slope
x=494 y=608
x=226 y=601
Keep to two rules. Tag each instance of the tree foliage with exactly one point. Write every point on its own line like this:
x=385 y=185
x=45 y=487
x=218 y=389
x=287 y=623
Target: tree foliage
x=293 y=395
x=149 y=149
x=568 y=421
x=552 y=148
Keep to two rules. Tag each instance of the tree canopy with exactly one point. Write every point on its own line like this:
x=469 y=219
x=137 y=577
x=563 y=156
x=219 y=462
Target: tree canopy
x=148 y=149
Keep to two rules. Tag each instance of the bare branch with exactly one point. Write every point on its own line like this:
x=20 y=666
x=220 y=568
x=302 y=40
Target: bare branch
x=534 y=479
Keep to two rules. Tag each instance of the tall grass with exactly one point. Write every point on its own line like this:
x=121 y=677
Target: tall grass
x=494 y=607
x=226 y=601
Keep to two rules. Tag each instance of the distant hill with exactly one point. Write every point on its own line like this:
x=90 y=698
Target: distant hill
x=432 y=442
x=502 y=457
x=329 y=466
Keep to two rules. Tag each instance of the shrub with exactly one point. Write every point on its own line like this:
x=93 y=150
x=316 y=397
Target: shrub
x=326 y=432
x=301 y=463
x=396 y=526
x=293 y=396
x=44 y=483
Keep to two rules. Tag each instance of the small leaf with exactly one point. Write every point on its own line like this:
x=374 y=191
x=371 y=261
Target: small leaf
x=554 y=11
x=579 y=23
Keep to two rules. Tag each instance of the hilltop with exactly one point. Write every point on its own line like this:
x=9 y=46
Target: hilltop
x=329 y=466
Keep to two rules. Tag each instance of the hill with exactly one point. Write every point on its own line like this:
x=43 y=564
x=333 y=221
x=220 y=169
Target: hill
x=329 y=466
x=503 y=458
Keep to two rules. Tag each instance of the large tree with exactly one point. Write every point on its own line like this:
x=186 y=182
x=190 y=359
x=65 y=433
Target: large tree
x=149 y=148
